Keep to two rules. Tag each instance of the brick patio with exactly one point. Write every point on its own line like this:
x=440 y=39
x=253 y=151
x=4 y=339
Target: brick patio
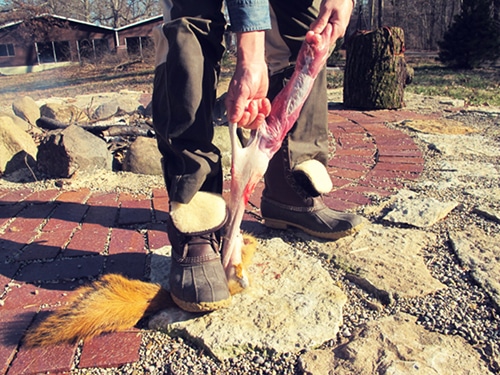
x=53 y=241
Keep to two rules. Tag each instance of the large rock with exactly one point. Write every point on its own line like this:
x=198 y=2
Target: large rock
x=480 y=253
x=27 y=109
x=385 y=261
x=143 y=157
x=291 y=305
x=421 y=212
x=120 y=103
x=65 y=113
x=16 y=147
x=396 y=345
x=66 y=151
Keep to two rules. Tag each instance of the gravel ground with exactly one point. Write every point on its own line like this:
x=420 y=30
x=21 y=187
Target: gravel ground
x=463 y=308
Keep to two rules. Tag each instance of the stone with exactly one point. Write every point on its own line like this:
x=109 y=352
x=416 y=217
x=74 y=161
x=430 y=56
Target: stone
x=492 y=194
x=488 y=213
x=467 y=168
x=420 y=212
x=64 y=113
x=292 y=304
x=396 y=345
x=119 y=103
x=17 y=148
x=143 y=157
x=63 y=152
x=480 y=253
x=27 y=109
x=456 y=145
x=317 y=362
x=386 y=262
x=441 y=126
x=22 y=124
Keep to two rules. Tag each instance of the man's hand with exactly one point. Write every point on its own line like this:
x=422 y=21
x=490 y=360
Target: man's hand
x=334 y=12
x=246 y=100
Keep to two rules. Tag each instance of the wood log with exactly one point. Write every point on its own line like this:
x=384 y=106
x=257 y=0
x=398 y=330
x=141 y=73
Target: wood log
x=144 y=130
x=376 y=72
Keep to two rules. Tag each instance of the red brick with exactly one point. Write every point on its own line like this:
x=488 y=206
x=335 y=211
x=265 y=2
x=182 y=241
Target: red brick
x=23 y=229
x=111 y=350
x=364 y=152
x=160 y=192
x=46 y=246
x=341 y=163
x=380 y=182
x=64 y=269
x=392 y=174
x=157 y=236
x=44 y=195
x=161 y=207
x=75 y=196
x=126 y=241
x=103 y=199
x=12 y=327
x=89 y=238
x=24 y=296
x=339 y=182
x=132 y=265
x=406 y=152
x=67 y=216
x=8 y=212
x=38 y=360
x=350 y=196
x=346 y=173
x=339 y=204
x=134 y=209
x=16 y=196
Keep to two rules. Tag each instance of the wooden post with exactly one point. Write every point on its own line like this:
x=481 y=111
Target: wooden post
x=376 y=72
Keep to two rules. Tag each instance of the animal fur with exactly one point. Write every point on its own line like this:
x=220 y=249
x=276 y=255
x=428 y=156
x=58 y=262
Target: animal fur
x=111 y=304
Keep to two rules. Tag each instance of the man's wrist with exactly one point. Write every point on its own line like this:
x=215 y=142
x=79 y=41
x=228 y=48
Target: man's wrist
x=251 y=47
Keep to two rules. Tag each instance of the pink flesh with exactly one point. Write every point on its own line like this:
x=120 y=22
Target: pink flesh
x=250 y=163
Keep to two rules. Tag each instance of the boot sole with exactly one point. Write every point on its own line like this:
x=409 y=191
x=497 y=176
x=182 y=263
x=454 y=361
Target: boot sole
x=201 y=306
x=283 y=225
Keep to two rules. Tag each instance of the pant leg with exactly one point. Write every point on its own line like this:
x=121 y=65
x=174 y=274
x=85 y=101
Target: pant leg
x=308 y=139
x=188 y=53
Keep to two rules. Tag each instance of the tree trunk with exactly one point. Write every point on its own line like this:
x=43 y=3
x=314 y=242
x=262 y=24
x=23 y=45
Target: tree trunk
x=376 y=72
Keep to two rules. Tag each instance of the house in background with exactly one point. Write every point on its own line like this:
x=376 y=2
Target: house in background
x=50 y=41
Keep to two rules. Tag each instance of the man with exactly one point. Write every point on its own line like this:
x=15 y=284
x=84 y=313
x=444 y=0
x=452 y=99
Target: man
x=189 y=50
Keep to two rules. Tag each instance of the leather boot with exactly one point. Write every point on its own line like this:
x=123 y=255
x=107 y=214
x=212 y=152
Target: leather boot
x=197 y=279
x=293 y=198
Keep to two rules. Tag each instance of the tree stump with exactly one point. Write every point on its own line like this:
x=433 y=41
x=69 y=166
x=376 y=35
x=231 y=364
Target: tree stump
x=376 y=72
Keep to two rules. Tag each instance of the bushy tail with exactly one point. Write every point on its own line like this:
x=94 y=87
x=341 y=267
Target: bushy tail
x=112 y=303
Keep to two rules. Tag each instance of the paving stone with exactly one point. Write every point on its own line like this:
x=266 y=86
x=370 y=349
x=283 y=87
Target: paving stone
x=134 y=210
x=111 y=350
x=66 y=216
x=88 y=239
x=64 y=269
x=12 y=327
x=40 y=360
x=126 y=241
x=132 y=265
x=46 y=246
x=76 y=196
x=161 y=207
x=16 y=196
x=157 y=236
x=24 y=297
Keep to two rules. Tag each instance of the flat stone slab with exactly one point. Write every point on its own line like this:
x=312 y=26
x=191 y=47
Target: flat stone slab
x=385 y=261
x=420 y=212
x=480 y=252
x=291 y=305
x=454 y=145
x=397 y=345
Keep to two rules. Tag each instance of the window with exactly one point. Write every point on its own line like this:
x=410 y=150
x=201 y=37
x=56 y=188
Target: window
x=139 y=46
x=7 y=50
x=92 y=48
